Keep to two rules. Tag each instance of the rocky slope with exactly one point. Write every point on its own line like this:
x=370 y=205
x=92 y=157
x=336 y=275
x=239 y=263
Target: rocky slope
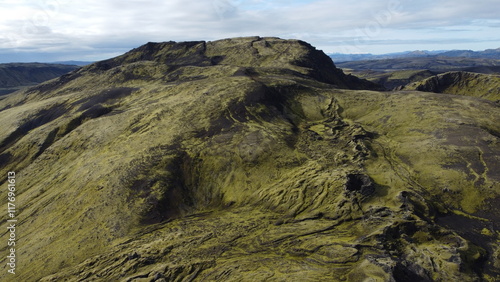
x=461 y=83
x=248 y=159
x=18 y=75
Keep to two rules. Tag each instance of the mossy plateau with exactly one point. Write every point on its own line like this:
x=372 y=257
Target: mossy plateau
x=248 y=159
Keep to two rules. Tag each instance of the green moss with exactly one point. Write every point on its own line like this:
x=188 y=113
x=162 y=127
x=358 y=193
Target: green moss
x=486 y=232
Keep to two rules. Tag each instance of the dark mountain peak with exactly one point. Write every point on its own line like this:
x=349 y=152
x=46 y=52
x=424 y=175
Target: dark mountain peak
x=418 y=53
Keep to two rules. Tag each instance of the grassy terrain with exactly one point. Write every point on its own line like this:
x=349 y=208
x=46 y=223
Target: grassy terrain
x=248 y=159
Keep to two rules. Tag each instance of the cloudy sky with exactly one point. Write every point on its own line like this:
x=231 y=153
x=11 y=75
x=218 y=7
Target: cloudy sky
x=89 y=30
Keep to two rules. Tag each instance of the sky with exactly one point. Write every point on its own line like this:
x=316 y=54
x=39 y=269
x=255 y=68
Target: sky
x=91 y=30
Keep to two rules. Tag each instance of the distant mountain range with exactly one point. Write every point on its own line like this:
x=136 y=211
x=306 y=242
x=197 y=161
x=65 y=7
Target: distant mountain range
x=486 y=54
x=73 y=63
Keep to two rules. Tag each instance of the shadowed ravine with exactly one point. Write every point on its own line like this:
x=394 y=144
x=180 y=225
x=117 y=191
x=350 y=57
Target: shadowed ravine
x=248 y=159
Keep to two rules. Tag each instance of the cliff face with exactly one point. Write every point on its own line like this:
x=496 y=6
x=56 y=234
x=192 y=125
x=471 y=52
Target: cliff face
x=485 y=86
x=248 y=159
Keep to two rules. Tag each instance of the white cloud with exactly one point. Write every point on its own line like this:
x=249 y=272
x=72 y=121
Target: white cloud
x=91 y=25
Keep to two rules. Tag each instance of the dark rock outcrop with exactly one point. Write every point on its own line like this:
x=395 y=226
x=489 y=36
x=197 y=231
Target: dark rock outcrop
x=360 y=183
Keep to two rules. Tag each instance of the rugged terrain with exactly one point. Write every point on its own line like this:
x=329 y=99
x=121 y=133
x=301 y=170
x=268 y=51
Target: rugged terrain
x=248 y=159
x=18 y=75
x=394 y=73
x=457 y=54
x=435 y=64
x=484 y=86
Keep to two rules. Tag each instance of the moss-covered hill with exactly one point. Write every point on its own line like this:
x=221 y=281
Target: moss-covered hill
x=486 y=86
x=248 y=159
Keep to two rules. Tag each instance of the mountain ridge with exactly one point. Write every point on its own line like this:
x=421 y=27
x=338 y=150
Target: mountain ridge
x=319 y=64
